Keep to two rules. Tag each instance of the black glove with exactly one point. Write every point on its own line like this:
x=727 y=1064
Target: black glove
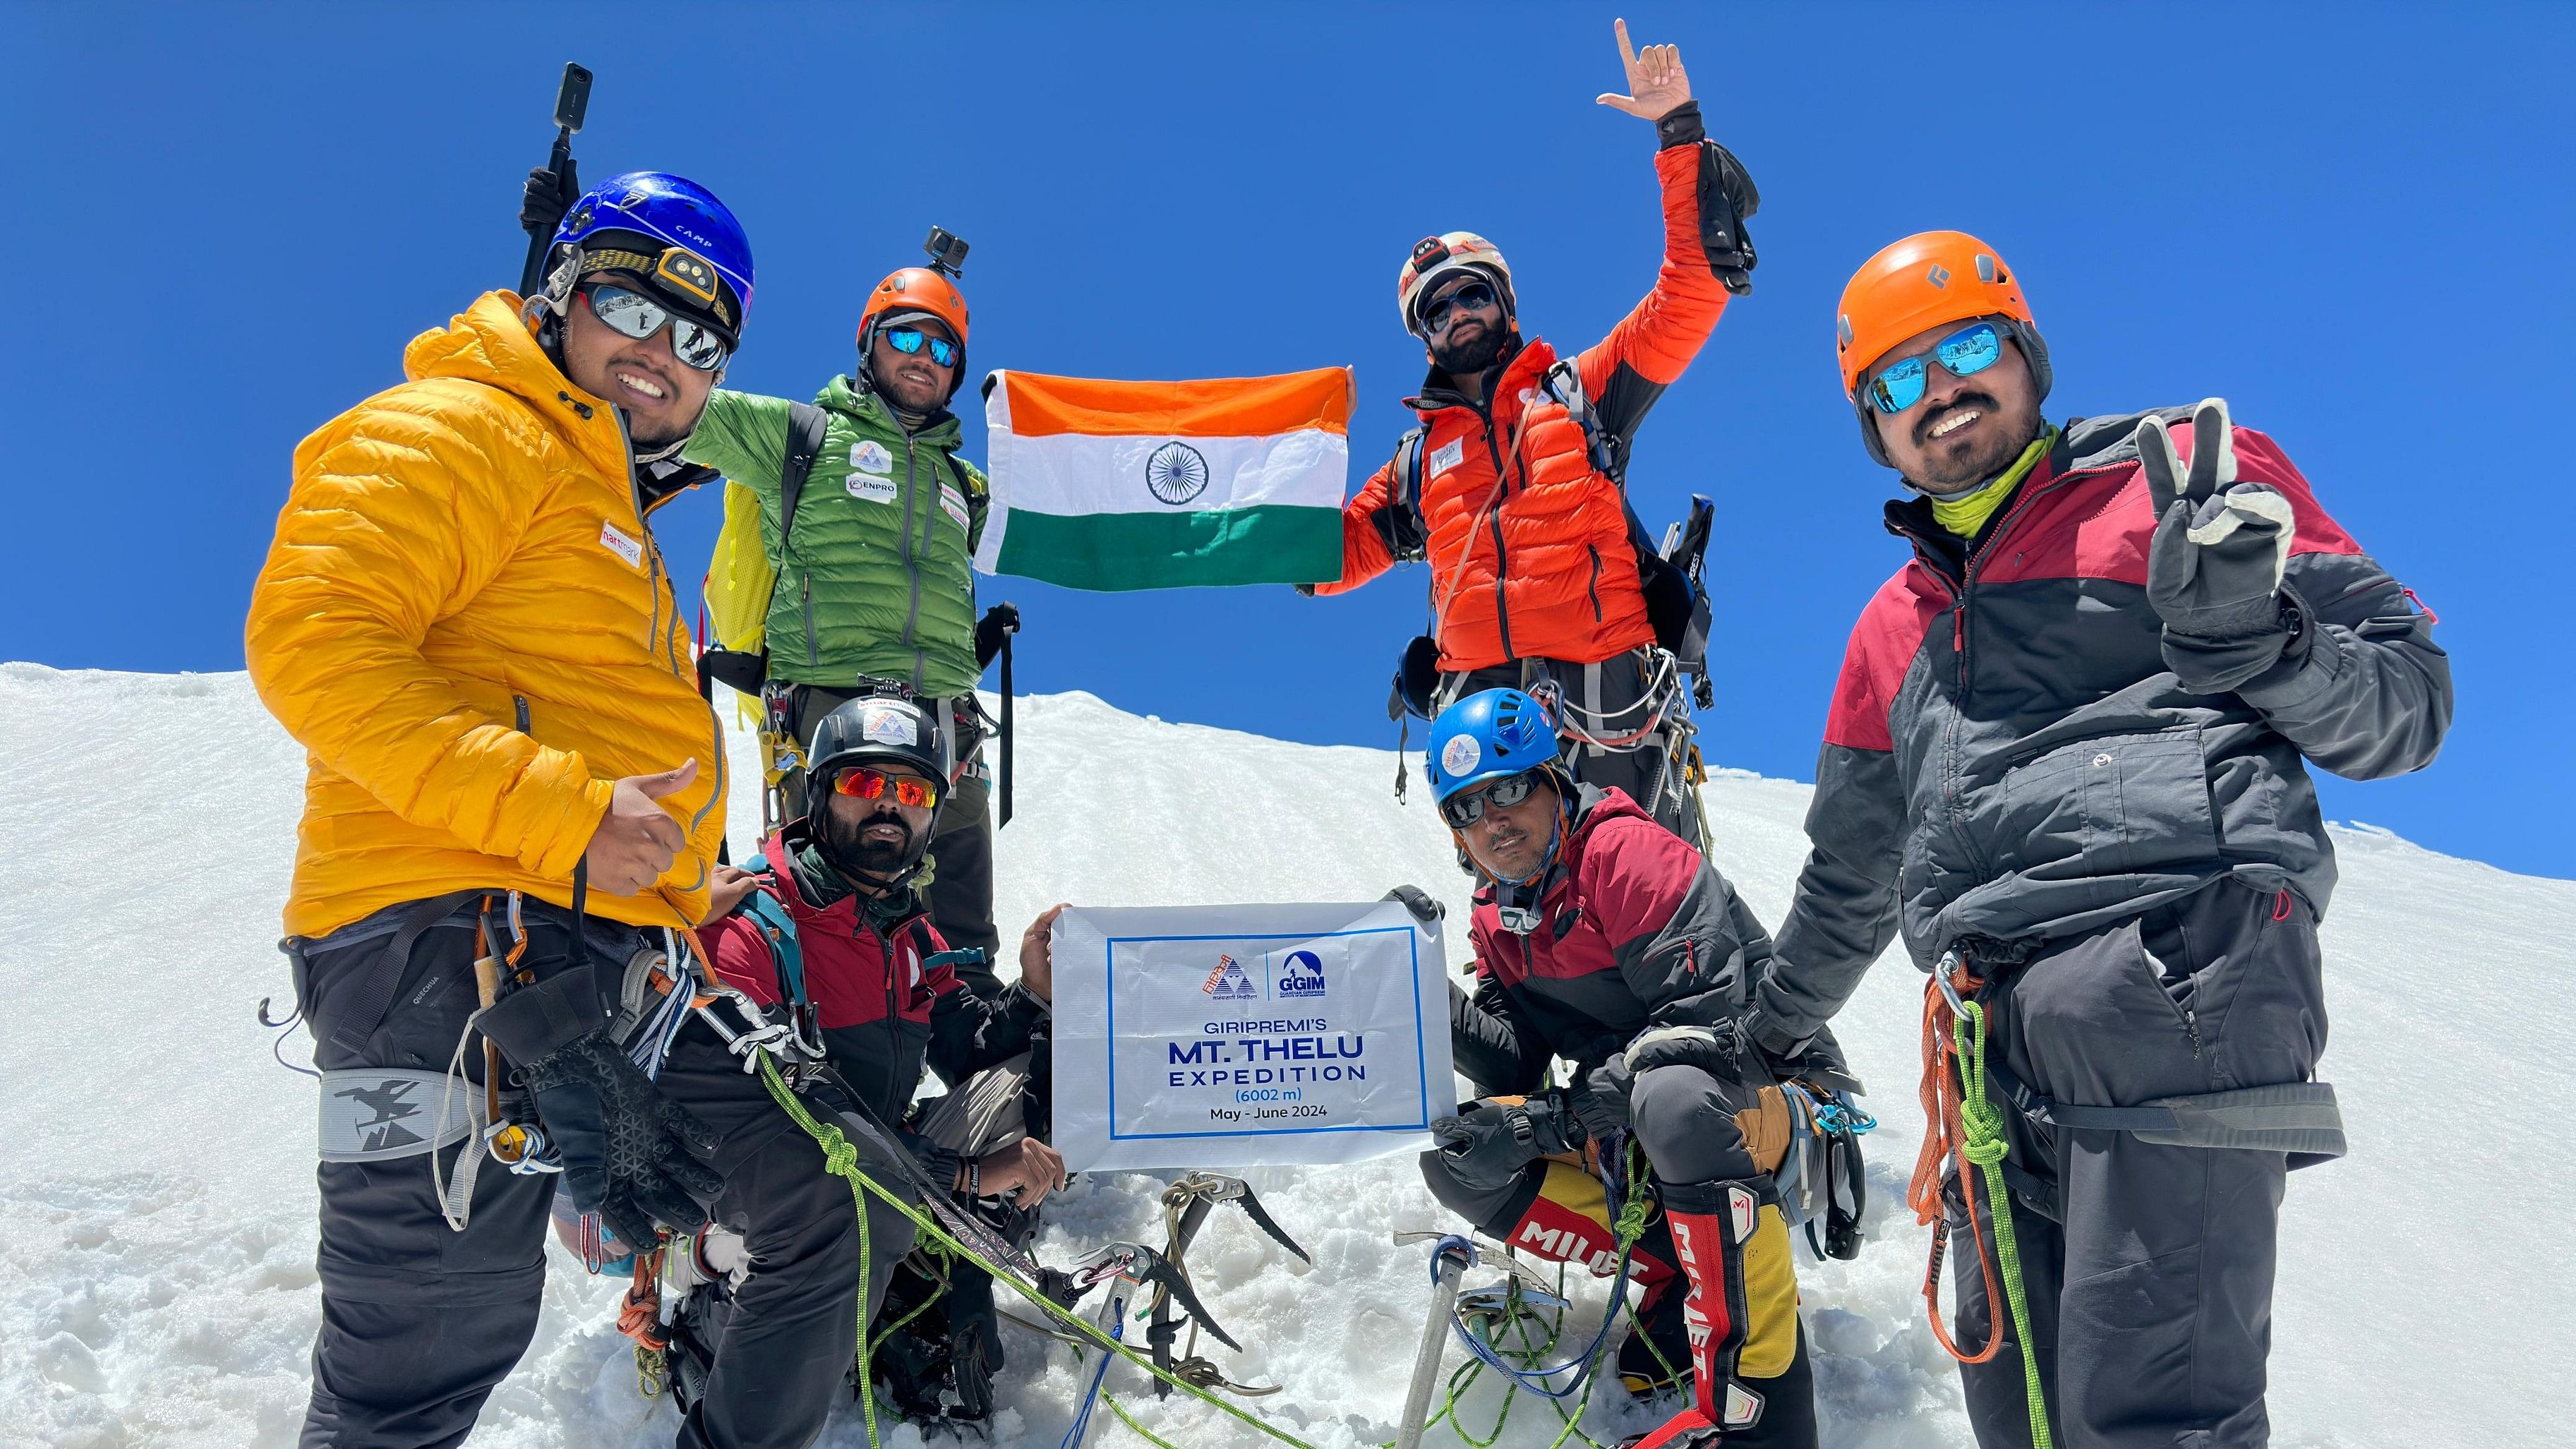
x=548 y=197
x=1488 y=1143
x=1600 y=1099
x=1304 y=591
x=1419 y=901
x=1000 y=620
x=625 y=1146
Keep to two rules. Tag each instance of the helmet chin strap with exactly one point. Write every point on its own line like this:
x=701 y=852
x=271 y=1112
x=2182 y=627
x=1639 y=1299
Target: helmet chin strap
x=1516 y=897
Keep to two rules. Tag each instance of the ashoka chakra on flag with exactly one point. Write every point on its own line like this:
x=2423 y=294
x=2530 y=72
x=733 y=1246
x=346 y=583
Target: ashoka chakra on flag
x=1160 y=485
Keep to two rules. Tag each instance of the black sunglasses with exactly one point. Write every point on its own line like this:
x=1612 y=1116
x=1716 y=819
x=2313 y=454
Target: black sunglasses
x=1473 y=297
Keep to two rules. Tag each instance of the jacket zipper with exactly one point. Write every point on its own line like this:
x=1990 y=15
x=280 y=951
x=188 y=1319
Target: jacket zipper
x=519 y=707
x=1592 y=585
x=911 y=559
x=1960 y=588
x=805 y=589
x=1502 y=562
x=662 y=643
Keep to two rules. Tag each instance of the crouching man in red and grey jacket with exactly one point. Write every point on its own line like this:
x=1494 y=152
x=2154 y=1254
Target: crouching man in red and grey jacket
x=833 y=920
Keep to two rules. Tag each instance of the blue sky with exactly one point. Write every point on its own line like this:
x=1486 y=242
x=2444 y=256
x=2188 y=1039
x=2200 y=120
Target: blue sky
x=2352 y=221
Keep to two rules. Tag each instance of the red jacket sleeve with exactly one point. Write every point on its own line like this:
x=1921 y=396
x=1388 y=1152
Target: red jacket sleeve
x=1364 y=554
x=743 y=957
x=1659 y=338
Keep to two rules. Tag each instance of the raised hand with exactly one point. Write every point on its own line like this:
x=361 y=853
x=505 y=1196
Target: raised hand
x=1037 y=961
x=2221 y=546
x=1657 y=85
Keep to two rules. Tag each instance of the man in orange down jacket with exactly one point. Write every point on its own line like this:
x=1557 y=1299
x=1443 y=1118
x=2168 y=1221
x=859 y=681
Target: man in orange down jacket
x=514 y=791
x=1516 y=502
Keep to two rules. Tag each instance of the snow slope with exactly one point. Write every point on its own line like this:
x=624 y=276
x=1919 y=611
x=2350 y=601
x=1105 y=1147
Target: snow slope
x=156 y=1201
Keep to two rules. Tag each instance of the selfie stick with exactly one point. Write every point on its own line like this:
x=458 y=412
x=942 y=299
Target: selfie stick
x=570 y=103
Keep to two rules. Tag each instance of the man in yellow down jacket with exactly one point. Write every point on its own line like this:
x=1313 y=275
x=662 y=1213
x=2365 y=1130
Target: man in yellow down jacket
x=466 y=621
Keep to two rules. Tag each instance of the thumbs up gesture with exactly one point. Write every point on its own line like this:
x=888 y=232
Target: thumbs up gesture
x=2214 y=569
x=638 y=839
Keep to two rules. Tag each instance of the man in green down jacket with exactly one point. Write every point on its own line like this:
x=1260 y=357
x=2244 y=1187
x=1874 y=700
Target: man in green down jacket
x=875 y=580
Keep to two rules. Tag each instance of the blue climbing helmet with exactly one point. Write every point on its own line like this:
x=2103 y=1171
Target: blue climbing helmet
x=667 y=231
x=1486 y=736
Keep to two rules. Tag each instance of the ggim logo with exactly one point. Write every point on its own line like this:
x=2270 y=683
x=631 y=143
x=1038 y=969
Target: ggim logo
x=1302 y=974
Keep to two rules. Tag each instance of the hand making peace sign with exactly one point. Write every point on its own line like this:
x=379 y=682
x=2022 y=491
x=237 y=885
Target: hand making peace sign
x=1657 y=85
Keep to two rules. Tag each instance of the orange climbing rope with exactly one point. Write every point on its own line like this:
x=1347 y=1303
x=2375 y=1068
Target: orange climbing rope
x=1944 y=1137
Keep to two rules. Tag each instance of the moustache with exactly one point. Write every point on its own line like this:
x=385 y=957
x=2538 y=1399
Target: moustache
x=1924 y=425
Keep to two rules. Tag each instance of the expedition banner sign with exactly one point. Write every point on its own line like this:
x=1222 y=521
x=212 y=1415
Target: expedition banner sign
x=1247 y=1036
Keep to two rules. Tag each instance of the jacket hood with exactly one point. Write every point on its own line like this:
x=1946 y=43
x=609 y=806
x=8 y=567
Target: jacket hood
x=489 y=343
x=840 y=395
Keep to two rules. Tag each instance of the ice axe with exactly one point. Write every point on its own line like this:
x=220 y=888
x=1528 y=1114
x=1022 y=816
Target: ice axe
x=1185 y=1210
x=572 y=102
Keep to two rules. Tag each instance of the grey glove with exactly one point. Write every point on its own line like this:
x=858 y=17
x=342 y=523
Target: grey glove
x=626 y=1147
x=1717 y=1050
x=1489 y=1142
x=2214 y=569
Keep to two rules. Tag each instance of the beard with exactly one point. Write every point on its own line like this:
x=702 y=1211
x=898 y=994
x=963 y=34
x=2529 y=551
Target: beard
x=845 y=841
x=1963 y=465
x=1473 y=358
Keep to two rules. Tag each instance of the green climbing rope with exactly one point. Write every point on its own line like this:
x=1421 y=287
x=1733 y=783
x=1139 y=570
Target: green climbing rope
x=842 y=1161
x=1981 y=1130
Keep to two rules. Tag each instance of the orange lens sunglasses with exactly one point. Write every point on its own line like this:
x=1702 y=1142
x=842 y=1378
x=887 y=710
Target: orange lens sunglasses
x=863 y=783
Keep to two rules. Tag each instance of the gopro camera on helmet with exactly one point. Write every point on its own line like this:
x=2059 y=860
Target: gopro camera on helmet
x=947 y=252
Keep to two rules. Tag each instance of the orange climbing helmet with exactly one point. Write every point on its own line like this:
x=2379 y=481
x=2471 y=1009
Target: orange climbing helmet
x=917 y=289
x=1919 y=283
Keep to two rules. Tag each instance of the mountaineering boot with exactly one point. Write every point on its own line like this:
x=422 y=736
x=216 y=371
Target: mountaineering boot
x=1655 y=1357
x=1748 y=1368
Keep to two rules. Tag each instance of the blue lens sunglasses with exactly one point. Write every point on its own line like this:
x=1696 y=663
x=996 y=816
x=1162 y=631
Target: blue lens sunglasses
x=1964 y=353
x=909 y=339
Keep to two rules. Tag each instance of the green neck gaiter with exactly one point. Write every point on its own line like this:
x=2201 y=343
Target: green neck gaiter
x=1967 y=515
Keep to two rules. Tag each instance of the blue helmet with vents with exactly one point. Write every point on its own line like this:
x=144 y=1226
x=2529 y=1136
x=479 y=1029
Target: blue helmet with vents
x=670 y=232
x=1486 y=736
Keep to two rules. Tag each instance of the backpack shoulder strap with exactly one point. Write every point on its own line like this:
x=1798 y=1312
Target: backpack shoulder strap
x=805 y=427
x=778 y=926
x=932 y=959
x=1564 y=382
x=1400 y=522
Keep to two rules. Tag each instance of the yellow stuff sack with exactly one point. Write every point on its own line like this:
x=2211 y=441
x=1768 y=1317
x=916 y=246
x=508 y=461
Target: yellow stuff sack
x=739 y=577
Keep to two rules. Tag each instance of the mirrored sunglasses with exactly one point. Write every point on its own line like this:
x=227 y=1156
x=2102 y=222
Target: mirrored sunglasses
x=910 y=791
x=910 y=340
x=1468 y=807
x=1965 y=353
x=632 y=314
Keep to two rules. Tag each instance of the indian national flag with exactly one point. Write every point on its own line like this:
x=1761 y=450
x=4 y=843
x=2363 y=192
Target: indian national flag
x=1165 y=485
